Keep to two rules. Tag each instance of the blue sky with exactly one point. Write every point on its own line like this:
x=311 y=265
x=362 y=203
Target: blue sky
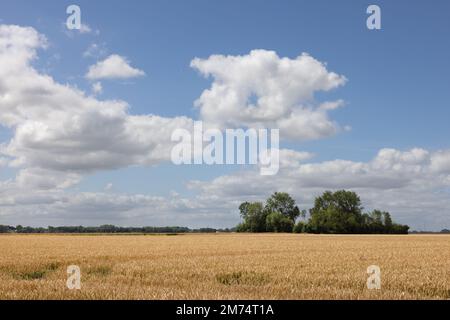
x=397 y=94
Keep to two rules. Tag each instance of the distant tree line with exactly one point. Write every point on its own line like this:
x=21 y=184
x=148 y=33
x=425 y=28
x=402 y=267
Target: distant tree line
x=430 y=232
x=337 y=212
x=106 y=229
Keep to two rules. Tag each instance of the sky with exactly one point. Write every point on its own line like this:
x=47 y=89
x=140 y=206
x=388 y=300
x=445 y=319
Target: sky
x=86 y=116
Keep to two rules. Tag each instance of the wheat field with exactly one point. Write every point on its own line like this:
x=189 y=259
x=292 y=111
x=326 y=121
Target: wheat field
x=224 y=266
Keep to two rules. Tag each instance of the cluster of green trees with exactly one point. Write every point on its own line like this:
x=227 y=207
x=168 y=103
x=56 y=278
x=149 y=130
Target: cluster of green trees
x=106 y=229
x=278 y=214
x=337 y=212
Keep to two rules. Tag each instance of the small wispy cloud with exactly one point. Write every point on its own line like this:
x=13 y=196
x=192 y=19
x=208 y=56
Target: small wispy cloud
x=95 y=50
x=84 y=30
x=109 y=187
x=113 y=67
x=97 y=88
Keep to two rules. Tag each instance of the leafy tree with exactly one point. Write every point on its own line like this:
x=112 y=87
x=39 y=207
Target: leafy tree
x=381 y=222
x=242 y=227
x=338 y=212
x=254 y=217
x=244 y=209
x=6 y=229
x=284 y=204
x=399 y=229
x=387 y=220
x=277 y=215
x=373 y=221
x=300 y=227
x=277 y=222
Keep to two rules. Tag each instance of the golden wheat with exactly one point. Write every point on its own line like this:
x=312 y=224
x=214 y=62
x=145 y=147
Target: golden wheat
x=224 y=266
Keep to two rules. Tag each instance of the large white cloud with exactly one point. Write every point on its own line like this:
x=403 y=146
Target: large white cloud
x=113 y=67
x=57 y=128
x=263 y=90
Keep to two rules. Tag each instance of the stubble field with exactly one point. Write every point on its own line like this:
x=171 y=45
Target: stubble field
x=224 y=266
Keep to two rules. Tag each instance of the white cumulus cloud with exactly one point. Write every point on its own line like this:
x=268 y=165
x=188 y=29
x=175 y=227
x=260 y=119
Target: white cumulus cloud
x=261 y=89
x=113 y=67
x=58 y=130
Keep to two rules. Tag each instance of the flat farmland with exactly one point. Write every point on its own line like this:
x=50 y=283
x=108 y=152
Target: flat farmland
x=224 y=266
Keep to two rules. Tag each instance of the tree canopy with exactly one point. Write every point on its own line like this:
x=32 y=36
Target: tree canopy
x=278 y=214
x=284 y=204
